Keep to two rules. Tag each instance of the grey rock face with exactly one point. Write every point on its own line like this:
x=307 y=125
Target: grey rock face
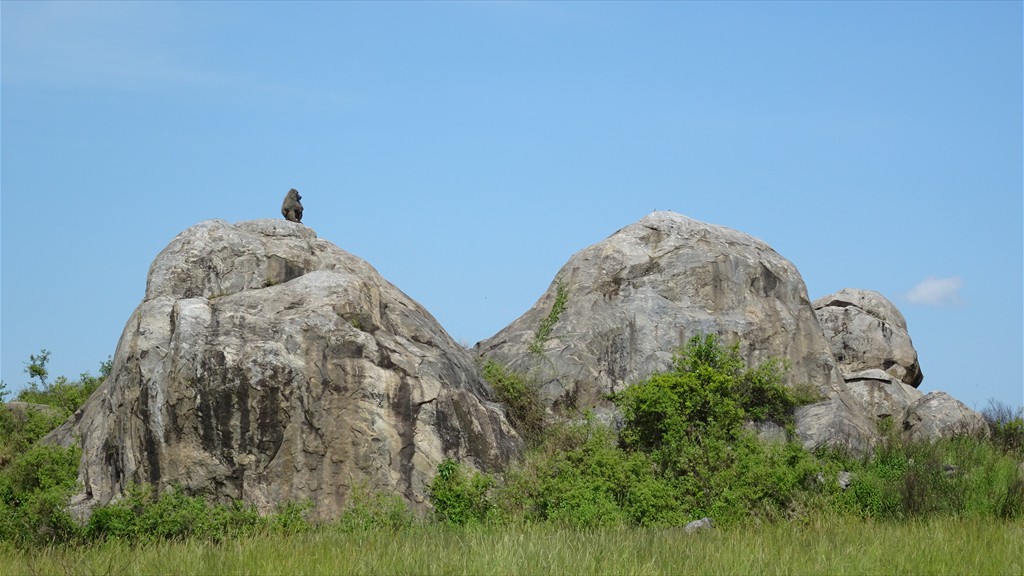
x=635 y=298
x=265 y=364
x=882 y=395
x=703 y=525
x=938 y=415
x=839 y=421
x=865 y=331
x=869 y=339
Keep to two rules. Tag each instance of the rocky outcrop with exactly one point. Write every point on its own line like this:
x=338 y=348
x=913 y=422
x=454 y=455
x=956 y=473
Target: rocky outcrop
x=881 y=395
x=265 y=365
x=865 y=331
x=618 y=310
x=21 y=411
x=869 y=339
x=938 y=415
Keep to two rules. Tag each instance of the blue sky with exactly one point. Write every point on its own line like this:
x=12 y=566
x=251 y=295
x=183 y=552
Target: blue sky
x=467 y=150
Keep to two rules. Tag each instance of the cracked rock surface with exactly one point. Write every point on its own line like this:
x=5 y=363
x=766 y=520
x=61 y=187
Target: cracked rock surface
x=635 y=298
x=866 y=331
x=265 y=364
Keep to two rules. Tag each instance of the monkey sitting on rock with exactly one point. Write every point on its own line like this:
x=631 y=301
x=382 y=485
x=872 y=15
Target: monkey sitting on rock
x=291 y=209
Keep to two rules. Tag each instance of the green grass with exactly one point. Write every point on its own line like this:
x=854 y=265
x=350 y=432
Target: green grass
x=831 y=546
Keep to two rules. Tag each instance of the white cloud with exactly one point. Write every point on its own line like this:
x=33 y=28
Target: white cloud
x=934 y=291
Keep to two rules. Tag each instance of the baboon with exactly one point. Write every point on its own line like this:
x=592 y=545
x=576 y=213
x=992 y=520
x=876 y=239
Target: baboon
x=291 y=209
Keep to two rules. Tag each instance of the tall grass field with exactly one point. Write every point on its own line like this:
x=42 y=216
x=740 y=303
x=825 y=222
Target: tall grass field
x=833 y=546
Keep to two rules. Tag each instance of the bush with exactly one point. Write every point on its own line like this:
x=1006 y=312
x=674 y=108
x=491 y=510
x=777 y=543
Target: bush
x=20 y=430
x=580 y=477
x=37 y=481
x=34 y=491
x=961 y=476
x=368 y=510
x=694 y=412
x=682 y=451
x=522 y=397
x=64 y=394
x=143 y=516
x=460 y=496
x=1006 y=426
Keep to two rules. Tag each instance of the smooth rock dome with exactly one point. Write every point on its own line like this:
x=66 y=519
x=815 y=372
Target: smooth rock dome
x=266 y=365
x=635 y=298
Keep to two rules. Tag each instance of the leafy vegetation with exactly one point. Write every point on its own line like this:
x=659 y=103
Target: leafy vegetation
x=34 y=491
x=1006 y=427
x=62 y=394
x=460 y=496
x=548 y=323
x=522 y=397
x=960 y=476
x=682 y=451
x=143 y=516
x=36 y=481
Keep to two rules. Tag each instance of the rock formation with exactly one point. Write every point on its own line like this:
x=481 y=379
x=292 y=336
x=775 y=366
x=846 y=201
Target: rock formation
x=939 y=415
x=865 y=331
x=265 y=365
x=881 y=395
x=618 y=310
x=869 y=339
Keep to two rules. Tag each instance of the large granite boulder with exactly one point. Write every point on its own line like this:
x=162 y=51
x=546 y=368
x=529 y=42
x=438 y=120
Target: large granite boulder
x=881 y=395
x=938 y=415
x=618 y=310
x=265 y=365
x=865 y=331
x=869 y=339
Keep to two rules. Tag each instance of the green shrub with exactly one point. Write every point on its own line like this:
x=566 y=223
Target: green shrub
x=460 y=496
x=525 y=409
x=692 y=413
x=143 y=516
x=19 y=431
x=1006 y=426
x=64 y=394
x=682 y=451
x=367 y=510
x=579 y=477
x=961 y=476
x=34 y=491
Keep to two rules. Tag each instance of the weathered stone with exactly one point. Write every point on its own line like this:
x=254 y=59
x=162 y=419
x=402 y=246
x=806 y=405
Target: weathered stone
x=632 y=300
x=20 y=410
x=837 y=422
x=865 y=331
x=266 y=365
x=938 y=415
x=882 y=395
x=767 y=431
x=702 y=525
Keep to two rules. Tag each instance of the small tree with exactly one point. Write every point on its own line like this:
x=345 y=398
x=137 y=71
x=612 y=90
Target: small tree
x=36 y=367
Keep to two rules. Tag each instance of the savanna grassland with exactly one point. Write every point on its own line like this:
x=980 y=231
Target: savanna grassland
x=586 y=498
x=832 y=546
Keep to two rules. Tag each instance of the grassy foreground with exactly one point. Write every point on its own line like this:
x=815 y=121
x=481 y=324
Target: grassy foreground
x=834 y=546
